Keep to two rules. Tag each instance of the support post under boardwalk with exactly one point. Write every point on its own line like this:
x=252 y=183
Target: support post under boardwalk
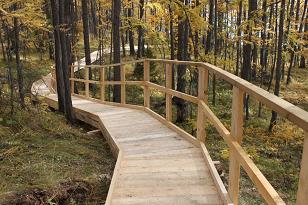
x=102 y=79
x=203 y=80
x=237 y=134
x=168 y=96
x=146 y=78
x=302 y=192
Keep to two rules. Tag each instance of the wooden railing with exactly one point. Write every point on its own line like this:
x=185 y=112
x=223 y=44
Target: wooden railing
x=238 y=157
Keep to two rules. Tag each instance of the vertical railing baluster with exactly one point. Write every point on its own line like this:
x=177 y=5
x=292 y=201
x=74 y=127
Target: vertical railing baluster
x=146 y=78
x=168 y=74
x=237 y=134
x=203 y=79
x=102 y=84
x=302 y=192
x=123 y=84
x=86 y=77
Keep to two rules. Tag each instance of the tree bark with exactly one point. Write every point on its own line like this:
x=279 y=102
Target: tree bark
x=116 y=47
x=20 y=77
x=69 y=114
x=279 y=61
x=131 y=31
x=140 y=30
x=86 y=35
x=182 y=54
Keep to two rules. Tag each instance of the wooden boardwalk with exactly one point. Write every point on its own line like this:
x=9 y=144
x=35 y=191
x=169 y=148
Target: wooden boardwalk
x=159 y=163
x=155 y=165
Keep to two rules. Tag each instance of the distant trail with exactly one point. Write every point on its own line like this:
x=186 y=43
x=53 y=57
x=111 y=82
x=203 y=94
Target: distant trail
x=43 y=86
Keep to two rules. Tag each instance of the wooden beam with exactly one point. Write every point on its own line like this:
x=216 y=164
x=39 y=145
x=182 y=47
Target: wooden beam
x=123 y=100
x=302 y=192
x=169 y=91
x=102 y=85
x=237 y=134
x=146 y=78
x=202 y=95
x=168 y=75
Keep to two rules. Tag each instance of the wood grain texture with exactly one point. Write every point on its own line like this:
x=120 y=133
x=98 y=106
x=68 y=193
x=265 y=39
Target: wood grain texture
x=156 y=165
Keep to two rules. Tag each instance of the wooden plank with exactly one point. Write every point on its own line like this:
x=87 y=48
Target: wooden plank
x=114 y=179
x=302 y=192
x=169 y=91
x=217 y=180
x=87 y=84
x=123 y=84
x=146 y=79
x=102 y=85
x=168 y=75
x=202 y=95
x=237 y=134
x=173 y=127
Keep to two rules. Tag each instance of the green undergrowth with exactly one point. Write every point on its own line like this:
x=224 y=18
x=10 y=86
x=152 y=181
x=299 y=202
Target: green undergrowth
x=41 y=153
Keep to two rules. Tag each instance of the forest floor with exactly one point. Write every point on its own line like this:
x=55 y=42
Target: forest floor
x=44 y=159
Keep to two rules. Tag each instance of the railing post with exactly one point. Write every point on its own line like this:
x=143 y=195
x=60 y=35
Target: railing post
x=168 y=96
x=237 y=134
x=302 y=192
x=122 y=84
x=203 y=79
x=86 y=77
x=72 y=81
x=146 y=78
x=102 y=79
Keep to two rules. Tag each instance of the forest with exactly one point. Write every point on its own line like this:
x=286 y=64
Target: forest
x=45 y=154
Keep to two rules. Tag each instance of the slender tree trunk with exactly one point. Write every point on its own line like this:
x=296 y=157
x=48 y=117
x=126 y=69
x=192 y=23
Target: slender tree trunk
x=69 y=114
x=58 y=54
x=238 y=50
x=172 y=48
x=182 y=54
x=279 y=61
x=131 y=31
x=86 y=35
x=140 y=30
x=20 y=77
x=116 y=47
x=208 y=45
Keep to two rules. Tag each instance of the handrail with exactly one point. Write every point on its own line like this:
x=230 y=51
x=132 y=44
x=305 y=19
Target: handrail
x=238 y=157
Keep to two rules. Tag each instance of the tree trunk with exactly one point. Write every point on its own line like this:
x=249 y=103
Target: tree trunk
x=208 y=46
x=86 y=35
x=279 y=61
x=58 y=54
x=116 y=47
x=20 y=77
x=131 y=31
x=65 y=67
x=238 y=50
x=140 y=30
x=182 y=54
